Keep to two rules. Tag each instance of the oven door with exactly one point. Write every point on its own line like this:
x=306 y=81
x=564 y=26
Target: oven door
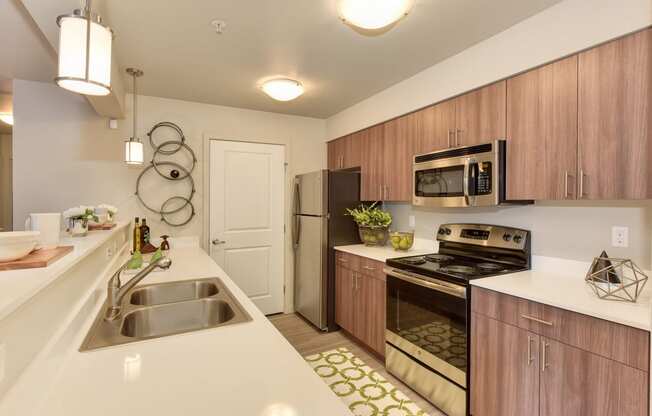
x=427 y=320
x=457 y=182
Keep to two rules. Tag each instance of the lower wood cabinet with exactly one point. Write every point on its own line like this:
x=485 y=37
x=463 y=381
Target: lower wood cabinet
x=518 y=368
x=360 y=299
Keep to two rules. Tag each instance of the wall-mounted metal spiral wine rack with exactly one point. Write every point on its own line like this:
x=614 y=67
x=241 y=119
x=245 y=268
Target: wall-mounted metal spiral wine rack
x=171 y=171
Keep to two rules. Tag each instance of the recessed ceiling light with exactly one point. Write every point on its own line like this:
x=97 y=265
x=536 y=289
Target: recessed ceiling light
x=282 y=89
x=373 y=14
x=7 y=118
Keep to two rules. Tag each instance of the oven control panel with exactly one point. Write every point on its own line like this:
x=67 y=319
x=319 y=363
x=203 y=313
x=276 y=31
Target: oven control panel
x=484 y=235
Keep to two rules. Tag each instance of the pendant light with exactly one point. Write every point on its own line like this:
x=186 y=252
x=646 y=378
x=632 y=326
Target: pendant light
x=84 y=53
x=134 y=147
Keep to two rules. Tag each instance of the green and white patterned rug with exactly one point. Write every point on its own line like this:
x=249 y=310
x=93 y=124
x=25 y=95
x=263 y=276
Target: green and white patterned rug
x=365 y=391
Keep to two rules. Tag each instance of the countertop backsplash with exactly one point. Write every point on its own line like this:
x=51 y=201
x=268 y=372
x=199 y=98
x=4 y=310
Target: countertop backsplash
x=577 y=230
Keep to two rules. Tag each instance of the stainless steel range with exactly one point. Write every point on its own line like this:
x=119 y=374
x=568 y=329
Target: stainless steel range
x=428 y=307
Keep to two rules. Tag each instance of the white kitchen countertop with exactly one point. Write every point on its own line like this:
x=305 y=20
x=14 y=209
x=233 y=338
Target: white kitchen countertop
x=246 y=369
x=18 y=286
x=420 y=247
x=560 y=283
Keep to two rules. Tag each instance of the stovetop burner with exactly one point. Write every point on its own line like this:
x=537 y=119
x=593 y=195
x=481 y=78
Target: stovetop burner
x=489 y=267
x=438 y=258
x=458 y=269
x=415 y=261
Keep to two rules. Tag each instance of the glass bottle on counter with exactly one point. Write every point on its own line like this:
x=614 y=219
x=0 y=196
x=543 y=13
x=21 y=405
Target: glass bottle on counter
x=144 y=233
x=136 y=236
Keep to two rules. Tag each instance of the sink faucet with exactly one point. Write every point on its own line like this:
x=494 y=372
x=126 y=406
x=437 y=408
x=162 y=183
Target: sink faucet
x=116 y=291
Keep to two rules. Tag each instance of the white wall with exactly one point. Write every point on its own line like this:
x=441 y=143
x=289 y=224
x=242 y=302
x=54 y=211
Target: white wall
x=65 y=155
x=5 y=182
x=563 y=29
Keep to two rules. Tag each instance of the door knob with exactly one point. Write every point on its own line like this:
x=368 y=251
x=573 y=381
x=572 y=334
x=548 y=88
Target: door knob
x=217 y=242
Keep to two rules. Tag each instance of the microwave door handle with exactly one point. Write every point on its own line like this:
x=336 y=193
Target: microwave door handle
x=465 y=185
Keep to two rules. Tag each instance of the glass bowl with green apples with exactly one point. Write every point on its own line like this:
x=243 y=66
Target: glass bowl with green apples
x=401 y=240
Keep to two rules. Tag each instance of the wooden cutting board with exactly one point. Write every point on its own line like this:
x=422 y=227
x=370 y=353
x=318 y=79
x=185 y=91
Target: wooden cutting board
x=37 y=259
x=95 y=227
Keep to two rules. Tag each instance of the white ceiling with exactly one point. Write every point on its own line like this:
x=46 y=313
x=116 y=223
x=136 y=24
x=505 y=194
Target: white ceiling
x=24 y=52
x=183 y=58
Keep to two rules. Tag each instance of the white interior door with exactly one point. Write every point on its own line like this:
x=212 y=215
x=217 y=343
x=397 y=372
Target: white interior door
x=246 y=218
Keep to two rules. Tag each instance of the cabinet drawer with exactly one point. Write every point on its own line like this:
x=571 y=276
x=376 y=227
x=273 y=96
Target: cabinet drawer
x=350 y=261
x=618 y=342
x=372 y=268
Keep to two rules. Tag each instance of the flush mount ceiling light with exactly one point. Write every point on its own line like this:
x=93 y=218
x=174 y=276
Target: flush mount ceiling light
x=84 y=53
x=282 y=89
x=373 y=14
x=7 y=118
x=134 y=147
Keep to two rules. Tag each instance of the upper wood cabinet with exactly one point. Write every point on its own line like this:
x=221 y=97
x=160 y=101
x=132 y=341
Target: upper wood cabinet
x=435 y=127
x=372 y=164
x=344 y=153
x=542 y=132
x=480 y=115
x=400 y=145
x=615 y=119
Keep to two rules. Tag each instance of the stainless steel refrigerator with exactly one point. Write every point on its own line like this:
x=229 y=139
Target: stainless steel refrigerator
x=319 y=224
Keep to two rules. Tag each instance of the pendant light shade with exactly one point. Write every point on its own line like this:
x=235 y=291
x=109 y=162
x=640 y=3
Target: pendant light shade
x=134 y=154
x=84 y=53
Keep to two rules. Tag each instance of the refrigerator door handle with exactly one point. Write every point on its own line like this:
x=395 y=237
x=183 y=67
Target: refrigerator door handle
x=297 y=198
x=296 y=231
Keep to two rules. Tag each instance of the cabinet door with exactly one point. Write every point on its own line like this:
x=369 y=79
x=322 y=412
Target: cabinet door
x=542 y=132
x=344 y=298
x=504 y=369
x=333 y=155
x=351 y=150
x=578 y=383
x=436 y=127
x=480 y=115
x=372 y=164
x=615 y=119
x=398 y=153
x=370 y=312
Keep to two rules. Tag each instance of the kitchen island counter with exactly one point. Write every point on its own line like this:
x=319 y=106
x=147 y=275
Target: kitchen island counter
x=245 y=369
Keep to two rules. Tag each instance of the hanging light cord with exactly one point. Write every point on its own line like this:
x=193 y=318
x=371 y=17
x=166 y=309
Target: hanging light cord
x=135 y=106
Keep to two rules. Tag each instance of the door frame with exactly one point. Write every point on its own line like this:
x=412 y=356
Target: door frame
x=288 y=258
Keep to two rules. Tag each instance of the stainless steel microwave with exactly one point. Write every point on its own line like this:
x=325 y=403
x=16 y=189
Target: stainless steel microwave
x=472 y=176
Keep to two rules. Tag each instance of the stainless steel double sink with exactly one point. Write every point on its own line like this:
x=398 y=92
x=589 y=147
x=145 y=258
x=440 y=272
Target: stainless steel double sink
x=158 y=310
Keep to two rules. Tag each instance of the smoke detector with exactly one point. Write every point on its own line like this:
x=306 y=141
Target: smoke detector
x=219 y=26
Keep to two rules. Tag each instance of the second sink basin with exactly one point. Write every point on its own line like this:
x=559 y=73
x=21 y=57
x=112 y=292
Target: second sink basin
x=176 y=318
x=173 y=292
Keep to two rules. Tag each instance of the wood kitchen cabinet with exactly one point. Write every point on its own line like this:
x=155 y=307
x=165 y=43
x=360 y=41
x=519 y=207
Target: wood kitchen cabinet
x=360 y=300
x=399 y=146
x=480 y=115
x=615 y=119
x=505 y=371
x=372 y=164
x=542 y=132
x=435 y=127
x=345 y=152
x=553 y=362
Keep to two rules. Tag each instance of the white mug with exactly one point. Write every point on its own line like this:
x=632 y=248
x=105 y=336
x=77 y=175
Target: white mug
x=50 y=227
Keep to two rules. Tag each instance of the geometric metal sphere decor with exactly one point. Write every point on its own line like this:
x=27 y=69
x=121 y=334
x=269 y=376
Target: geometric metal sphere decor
x=616 y=279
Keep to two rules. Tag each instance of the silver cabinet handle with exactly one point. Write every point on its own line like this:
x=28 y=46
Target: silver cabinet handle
x=450 y=133
x=369 y=268
x=565 y=184
x=544 y=362
x=380 y=189
x=217 y=242
x=532 y=318
x=342 y=260
x=530 y=359
x=386 y=192
x=341 y=161
x=581 y=190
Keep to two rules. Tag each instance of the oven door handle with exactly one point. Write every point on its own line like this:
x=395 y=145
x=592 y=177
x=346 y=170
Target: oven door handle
x=439 y=286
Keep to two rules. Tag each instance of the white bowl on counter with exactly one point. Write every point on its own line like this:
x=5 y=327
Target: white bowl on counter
x=15 y=245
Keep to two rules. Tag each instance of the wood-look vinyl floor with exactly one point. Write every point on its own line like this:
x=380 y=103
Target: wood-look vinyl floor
x=307 y=339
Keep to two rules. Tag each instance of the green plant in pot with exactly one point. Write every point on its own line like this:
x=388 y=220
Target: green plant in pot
x=373 y=224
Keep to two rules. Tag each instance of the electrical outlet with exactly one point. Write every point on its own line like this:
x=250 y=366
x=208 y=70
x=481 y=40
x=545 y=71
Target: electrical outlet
x=412 y=221
x=109 y=252
x=619 y=236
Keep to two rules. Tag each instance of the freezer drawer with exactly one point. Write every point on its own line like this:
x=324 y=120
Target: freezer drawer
x=310 y=269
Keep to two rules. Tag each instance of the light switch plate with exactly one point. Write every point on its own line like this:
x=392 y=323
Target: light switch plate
x=619 y=236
